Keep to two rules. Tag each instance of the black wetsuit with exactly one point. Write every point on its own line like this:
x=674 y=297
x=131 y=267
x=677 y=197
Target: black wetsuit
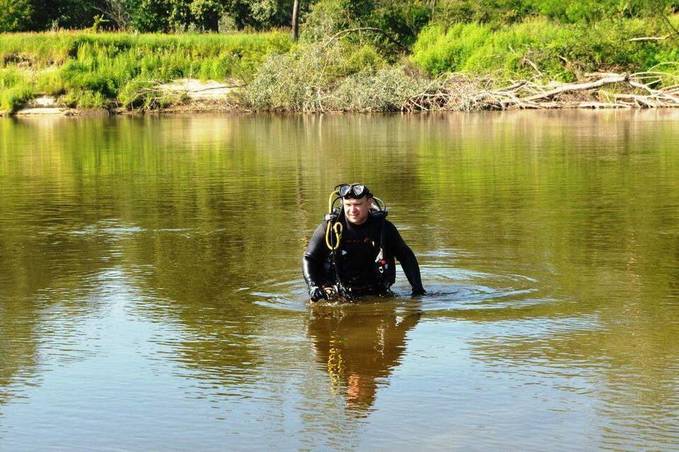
x=355 y=265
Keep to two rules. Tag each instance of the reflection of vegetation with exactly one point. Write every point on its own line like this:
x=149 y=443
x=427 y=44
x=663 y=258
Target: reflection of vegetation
x=208 y=206
x=18 y=343
x=44 y=265
x=547 y=196
x=359 y=345
x=583 y=209
x=185 y=197
x=625 y=362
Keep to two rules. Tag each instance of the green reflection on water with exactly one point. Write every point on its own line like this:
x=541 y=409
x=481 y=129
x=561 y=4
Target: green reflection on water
x=555 y=237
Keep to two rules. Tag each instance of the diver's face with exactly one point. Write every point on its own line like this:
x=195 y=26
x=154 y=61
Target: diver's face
x=357 y=210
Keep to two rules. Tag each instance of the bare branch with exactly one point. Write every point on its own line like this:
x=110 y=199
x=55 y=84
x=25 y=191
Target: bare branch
x=649 y=38
x=617 y=78
x=359 y=29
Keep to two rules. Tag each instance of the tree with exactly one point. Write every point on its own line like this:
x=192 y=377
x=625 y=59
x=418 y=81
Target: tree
x=118 y=12
x=73 y=14
x=295 y=20
x=150 y=16
x=15 y=15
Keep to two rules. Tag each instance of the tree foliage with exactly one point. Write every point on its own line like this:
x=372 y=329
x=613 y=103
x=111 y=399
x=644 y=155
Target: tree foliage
x=15 y=15
x=504 y=12
x=146 y=15
x=400 y=20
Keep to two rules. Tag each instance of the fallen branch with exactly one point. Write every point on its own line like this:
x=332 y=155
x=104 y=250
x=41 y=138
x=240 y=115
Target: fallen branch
x=533 y=65
x=463 y=93
x=569 y=87
x=602 y=105
x=649 y=38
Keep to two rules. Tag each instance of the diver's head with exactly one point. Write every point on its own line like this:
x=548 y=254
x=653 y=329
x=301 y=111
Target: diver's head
x=356 y=202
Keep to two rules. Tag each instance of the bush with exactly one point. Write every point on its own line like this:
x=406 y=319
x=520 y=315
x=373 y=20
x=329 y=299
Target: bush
x=293 y=81
x=303 y=79
x=387 y=90
x=324 y=20
x=338 y=77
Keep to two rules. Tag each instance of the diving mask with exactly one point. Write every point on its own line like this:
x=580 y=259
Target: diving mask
x=355 y=191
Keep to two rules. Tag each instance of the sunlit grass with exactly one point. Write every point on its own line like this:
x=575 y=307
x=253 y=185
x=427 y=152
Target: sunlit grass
x=543 y=49
x=91 y=69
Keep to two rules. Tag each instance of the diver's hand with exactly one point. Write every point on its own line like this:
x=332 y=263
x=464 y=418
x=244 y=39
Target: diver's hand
x=316 y=293
x=418 y=291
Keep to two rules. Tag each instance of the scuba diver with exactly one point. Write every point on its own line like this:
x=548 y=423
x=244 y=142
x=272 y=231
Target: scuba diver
x=352 y=252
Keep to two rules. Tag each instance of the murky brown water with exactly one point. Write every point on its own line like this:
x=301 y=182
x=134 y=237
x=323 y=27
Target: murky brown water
x=151 y=294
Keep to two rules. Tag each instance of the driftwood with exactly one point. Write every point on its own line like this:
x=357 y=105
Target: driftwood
x=463 y=93
x=572 y=87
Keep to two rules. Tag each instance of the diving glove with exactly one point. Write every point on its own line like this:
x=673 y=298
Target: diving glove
x=316 y=293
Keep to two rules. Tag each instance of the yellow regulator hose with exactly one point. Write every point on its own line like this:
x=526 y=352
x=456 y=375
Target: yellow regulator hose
x=335 y=227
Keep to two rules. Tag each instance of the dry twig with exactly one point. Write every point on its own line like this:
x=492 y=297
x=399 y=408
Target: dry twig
x=462 y=93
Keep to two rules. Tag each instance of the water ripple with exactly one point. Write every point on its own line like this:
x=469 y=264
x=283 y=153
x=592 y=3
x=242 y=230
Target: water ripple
x=448 y=289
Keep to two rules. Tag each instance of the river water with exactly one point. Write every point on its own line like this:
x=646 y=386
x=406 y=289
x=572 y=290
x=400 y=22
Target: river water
x=151 y=295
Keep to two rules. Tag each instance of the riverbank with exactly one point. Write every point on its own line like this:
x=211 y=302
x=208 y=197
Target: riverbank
x=602 y=91
x=193 y=95
x=532 y=65
x=124 y=71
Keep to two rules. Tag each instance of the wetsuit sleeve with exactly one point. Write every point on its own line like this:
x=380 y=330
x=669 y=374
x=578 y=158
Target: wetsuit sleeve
x=314 y=257
x=405 y=257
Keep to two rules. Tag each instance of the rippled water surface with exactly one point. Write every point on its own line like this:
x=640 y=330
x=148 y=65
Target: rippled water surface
x=151 y=295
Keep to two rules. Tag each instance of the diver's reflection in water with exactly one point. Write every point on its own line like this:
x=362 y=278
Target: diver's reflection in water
x=360 y=344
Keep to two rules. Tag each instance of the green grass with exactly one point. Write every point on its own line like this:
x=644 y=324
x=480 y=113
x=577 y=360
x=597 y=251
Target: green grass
x=15 y=89
x=543 y=49
x=92 y=69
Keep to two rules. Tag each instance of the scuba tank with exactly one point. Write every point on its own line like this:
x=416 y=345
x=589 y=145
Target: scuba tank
x=384 y=265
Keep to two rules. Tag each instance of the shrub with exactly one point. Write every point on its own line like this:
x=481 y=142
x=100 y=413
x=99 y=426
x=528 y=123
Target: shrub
x=302 y=79
x=289 y=82
x=387 y=90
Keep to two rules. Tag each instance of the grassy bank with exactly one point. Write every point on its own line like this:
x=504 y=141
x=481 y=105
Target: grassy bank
x=469 y=66
x=88 y=70
x=542 y=49
x=124 y=71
